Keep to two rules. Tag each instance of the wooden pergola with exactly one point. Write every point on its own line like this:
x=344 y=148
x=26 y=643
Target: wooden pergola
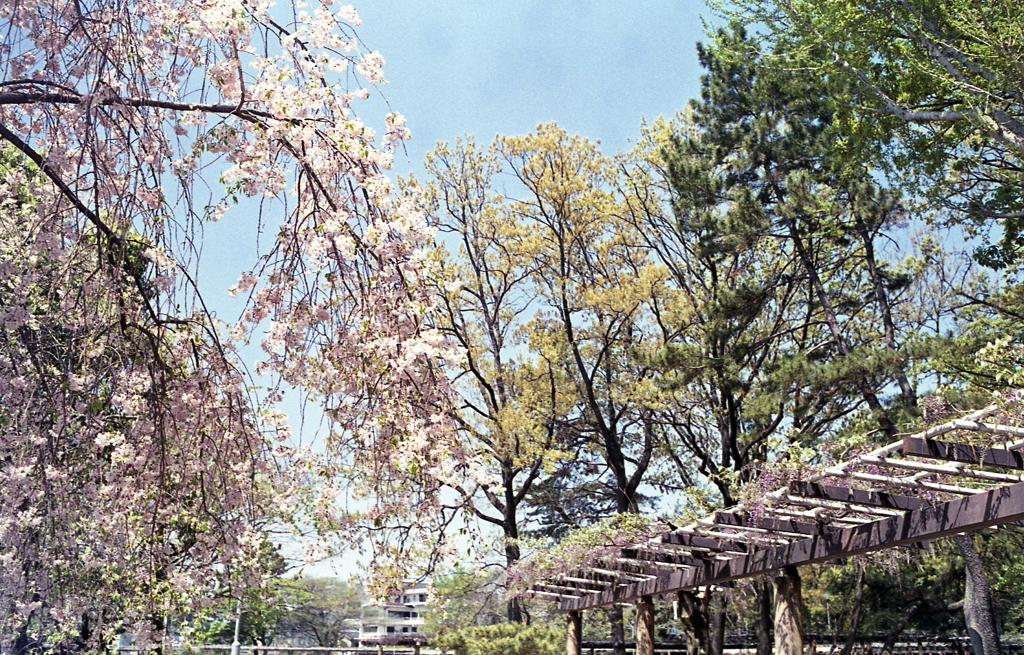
x=952 y=478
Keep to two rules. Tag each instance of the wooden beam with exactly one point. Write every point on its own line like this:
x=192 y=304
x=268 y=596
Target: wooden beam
x=618 y=567
x=593 y=576
x=937 y=468
x=549 y=595
x=556 y=588
x=990 y=428
x=855 y=496
x=576 y=587
x=965 y=453
x=995 y=507
x=789 y=526
x=914 y=482
x=643 y=555
x=704 y=543
x=863 y=511
x=813 y=515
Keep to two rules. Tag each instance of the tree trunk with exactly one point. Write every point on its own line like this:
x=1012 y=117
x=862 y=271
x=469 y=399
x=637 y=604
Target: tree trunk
x=159 y=622
x=978 y=615
x=513 y=606
x=692 y=614
x=574 y=636
x=514 y=609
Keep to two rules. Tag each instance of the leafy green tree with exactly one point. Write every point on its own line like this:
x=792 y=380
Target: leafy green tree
x=598 y=294
x=510 y=401
x=935 y=94
x=594 y=289
x=757 y=173
x=463 y=598
x=934 y=88
x=557 y=300
x=319 y=611
x=790 y=322
x=731 y=304
x=259 y=610
x=988 y=351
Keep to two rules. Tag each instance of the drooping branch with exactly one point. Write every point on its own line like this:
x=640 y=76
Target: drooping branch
x=26 y=98
x=73 y=198
x=65 y=190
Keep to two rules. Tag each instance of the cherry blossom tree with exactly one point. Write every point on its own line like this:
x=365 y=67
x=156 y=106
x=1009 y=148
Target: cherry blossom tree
x=138 y=469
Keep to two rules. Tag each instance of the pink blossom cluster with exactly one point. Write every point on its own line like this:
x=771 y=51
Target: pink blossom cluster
x=131 y=470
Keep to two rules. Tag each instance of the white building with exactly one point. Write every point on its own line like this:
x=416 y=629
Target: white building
x=399 y=621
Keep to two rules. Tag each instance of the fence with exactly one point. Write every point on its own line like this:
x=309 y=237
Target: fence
x=280 y=650
x=734 y=645
x=823 y=645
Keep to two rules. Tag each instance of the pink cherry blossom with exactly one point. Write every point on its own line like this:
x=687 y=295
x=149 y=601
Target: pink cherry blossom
x=140 y=471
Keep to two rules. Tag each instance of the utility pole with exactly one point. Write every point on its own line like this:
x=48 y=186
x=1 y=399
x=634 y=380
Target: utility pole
x=238 y=625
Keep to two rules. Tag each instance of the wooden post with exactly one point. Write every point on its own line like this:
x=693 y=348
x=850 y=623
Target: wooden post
x=645 y=626
x=788 y=602
x=574 y=636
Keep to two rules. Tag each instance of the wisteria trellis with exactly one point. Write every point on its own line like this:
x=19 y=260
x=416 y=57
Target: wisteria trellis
x=894 y=495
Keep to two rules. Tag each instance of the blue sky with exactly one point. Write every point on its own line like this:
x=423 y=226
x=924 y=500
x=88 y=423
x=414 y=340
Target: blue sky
x=503 y=66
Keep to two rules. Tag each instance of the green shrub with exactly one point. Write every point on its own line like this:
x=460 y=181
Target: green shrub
x=503 y=639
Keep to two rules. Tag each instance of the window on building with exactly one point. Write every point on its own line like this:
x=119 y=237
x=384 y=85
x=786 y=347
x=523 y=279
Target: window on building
x=391 y=629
